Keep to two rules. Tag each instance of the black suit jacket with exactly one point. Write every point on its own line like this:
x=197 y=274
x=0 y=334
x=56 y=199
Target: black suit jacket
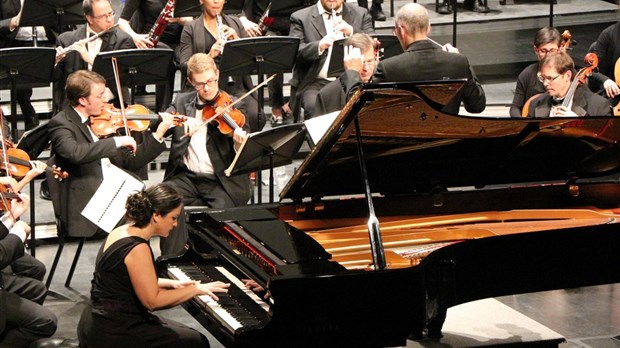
x=585 y=103
x=113 y=41
x=76 y=152
x=425 y=61
x=307 y=24
x=333 y=96
x=11 y=249
x=219 y=146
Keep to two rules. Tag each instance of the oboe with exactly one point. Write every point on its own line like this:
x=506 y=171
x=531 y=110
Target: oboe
x=162 y=22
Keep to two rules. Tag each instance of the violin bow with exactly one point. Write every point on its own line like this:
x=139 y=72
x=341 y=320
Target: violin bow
x=5 y=159
x=117 y=79
x=228 y=107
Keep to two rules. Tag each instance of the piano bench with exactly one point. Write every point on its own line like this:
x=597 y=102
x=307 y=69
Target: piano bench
x=56 y=342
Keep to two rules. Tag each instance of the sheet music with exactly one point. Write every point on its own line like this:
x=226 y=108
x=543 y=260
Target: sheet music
x=317 y=126
x=107 y=206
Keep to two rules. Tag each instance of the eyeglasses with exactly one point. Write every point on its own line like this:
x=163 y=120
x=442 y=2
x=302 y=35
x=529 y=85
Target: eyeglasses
x=106 y=15
x=201 y=85
x=544 y=51
x=544 y=79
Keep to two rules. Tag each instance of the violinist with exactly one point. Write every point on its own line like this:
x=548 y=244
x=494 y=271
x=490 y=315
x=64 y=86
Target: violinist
x=198 y=159
x=208 y=34
x=360 y=59
x=99 y=16
x=556 y=73
x=79 y=151
x=547 y=40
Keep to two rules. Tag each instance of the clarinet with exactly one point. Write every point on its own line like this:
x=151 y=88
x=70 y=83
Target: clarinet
x=264 y=22
x=162 y=22
x=223 y=39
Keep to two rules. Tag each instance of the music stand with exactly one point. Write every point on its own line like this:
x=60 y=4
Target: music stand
x=145 y=66
x=187 y=8
x=52 y=12
x=390 y=47
x=24 y=67
x=34 y=142
x=269 y=148
x=260 y=55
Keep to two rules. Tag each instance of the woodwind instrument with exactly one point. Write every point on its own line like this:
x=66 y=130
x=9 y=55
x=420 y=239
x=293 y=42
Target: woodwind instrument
x=63 y=52
x=223 y=39
x=162 y=22
x=264 y=22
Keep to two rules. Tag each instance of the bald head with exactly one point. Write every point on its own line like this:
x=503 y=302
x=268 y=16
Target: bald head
x=413 y=18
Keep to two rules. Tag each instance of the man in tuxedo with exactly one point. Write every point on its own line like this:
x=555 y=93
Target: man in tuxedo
x=12 y=35
x=88 y=159
x=99 y=17
x=198 y=158
x=424 y=60
x=556 y=73
x=23 y=320
x=317 y=30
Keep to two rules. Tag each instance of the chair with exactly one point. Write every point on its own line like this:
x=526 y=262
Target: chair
x=61 y=230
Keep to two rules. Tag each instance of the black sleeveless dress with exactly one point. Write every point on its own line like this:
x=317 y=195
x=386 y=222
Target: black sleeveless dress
x=117 y=318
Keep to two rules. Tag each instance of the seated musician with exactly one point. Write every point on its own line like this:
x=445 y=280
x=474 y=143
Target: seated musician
x=23 y=319
x=99 y=18
x=556 y=74
x=147 y=13
x=359 y=58
x=205 y=35
x=546 y=41
x=604 y=82
x=310 y=73
x=125 y=288
x=198 y=160
x=78 y=150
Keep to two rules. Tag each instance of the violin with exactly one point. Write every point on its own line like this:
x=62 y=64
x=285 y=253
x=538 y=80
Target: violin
x=19 y=164
x=138 y=120
x=227 y=120
x=6 y=196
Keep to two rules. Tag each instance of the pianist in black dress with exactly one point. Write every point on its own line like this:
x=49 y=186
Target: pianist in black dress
x=125 y=288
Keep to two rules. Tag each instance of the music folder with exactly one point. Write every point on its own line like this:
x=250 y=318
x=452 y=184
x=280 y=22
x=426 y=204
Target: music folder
x=107 y=206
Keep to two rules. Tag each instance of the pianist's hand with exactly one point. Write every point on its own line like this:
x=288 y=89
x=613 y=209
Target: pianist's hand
x=175 y=284
x=213 y=287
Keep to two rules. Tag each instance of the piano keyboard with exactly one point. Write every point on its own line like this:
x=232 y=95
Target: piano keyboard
x=238 y=308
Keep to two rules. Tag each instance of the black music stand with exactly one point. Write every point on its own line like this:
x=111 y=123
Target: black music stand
x=260 y=55
x=390 y=47
x=187 y=8
x=34 y=142
x=136 y=67
x=268 y=149
x=25 y=67
x=51 y=13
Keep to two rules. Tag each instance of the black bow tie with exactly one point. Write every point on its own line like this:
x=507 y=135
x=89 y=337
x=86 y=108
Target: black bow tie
x=200 y=105
x=329 y=14
x=556 y=102
x=87 y=122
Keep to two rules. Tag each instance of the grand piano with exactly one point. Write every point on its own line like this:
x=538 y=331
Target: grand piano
x=402 y=211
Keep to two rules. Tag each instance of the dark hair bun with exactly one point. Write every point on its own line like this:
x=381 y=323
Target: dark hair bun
x=139 y=208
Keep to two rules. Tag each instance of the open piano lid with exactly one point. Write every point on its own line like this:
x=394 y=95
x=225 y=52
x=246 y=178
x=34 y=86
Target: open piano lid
x=411 y=147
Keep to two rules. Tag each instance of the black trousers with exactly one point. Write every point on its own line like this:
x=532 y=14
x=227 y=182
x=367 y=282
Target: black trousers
x=24 y=321
x=364 y=3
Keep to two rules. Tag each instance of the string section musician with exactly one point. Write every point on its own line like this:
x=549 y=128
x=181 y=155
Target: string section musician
x=561 y=98
x=199 y=157
x=79 y=150
x=208 y=34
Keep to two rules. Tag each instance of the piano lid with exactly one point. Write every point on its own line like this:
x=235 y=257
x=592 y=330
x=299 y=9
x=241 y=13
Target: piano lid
x=410 y=146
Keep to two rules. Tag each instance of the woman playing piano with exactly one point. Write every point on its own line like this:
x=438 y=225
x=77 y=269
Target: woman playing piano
x=125 y=288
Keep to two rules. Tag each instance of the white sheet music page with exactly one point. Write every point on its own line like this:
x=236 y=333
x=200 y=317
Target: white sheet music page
x=317 y=126
x=107 y=206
